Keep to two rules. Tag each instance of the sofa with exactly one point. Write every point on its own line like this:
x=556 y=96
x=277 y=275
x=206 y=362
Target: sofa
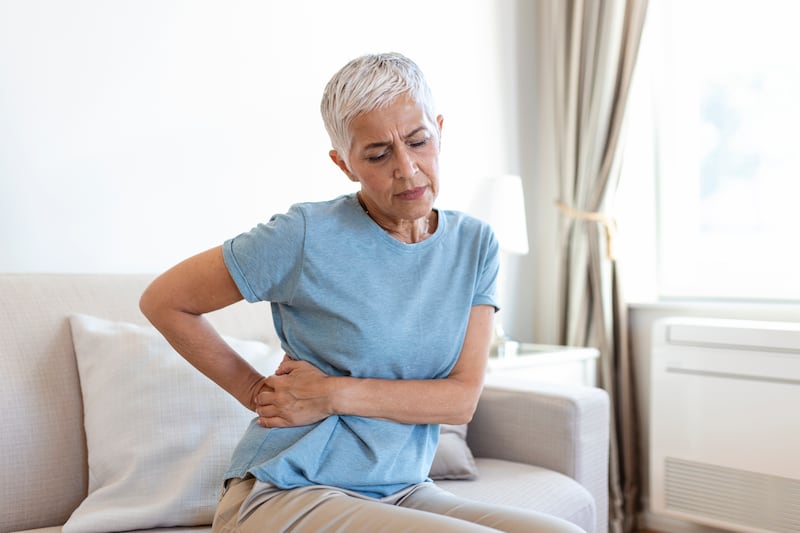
x=100 y=434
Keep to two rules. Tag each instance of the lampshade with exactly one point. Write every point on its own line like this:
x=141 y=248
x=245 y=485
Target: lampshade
x=499 y=201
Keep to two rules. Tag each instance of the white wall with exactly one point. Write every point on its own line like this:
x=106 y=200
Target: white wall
x=136 y=133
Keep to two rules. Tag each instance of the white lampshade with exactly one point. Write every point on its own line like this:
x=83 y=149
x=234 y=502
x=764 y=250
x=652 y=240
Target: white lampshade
x=500 y=202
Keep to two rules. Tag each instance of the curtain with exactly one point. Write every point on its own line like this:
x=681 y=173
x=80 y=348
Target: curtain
x=589 y=51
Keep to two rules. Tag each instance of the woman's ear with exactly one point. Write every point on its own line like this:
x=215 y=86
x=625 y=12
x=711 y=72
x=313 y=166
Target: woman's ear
x=342 y=164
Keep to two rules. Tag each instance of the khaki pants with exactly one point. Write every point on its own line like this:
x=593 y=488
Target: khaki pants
x=325 y=509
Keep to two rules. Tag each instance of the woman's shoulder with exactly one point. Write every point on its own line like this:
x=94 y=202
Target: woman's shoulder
x=461 y=216
x=461 y=222
x=340 y=204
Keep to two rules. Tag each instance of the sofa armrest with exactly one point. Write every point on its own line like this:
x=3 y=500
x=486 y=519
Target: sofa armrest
x=564 y=428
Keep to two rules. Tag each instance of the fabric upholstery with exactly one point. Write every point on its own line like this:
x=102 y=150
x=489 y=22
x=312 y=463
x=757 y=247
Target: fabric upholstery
x=508 y=483
x=43 y=448
x=564 y=429
x=198 y=529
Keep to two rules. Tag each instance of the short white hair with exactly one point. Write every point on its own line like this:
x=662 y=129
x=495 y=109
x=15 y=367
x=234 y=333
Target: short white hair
x=367 y=83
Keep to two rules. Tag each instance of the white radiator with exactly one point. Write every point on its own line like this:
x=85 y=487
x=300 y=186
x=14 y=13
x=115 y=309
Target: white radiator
x=725 y=423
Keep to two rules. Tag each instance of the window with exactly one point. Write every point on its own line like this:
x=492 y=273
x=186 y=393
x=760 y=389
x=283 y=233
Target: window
x=724 y=79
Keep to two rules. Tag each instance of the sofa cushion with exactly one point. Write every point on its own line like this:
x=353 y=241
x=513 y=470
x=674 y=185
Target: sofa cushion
x=530 y=487
x=195 y=529
x=159 y=434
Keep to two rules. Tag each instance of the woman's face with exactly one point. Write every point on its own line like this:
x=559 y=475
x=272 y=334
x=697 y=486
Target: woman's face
x=394 y=155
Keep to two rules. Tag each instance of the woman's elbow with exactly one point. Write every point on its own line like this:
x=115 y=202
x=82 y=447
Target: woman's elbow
x=459 y=419
x=464 y=413
x=147 y=303
x=152 y=304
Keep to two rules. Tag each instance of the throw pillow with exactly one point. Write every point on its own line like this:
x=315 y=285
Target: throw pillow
x=159 y=434
x=453 y=459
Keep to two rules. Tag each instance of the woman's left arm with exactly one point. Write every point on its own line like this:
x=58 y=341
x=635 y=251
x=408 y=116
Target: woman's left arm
x=300 y=394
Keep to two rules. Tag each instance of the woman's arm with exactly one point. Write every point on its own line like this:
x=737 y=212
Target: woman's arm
x=175 y=302
x=300 y=394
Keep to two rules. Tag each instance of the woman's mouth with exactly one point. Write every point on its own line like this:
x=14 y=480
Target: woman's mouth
x=411 y=194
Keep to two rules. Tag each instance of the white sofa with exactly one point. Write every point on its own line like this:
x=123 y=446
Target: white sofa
x=541 y=447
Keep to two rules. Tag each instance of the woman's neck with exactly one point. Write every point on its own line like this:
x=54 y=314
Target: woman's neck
x=406 y=231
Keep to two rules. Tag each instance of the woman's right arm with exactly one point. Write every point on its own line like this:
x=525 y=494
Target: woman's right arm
x=175 y=303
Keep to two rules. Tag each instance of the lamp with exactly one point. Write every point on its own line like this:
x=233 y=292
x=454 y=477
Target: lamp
x=500 y=202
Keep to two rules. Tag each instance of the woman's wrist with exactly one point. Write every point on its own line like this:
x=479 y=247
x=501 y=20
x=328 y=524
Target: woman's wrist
x=256 y=385
x=338 y=391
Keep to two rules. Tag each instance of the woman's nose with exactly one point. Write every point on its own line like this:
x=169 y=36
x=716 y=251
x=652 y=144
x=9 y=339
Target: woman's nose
x=405 y=164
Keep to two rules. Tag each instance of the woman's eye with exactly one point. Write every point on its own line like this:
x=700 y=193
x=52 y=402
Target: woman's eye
x=378 y=157
x=419 y=143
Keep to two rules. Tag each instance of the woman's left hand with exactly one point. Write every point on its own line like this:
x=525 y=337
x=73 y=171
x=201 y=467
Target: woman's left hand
x=296 y=395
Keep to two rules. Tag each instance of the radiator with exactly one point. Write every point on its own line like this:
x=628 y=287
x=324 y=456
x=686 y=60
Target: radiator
x=725 y=423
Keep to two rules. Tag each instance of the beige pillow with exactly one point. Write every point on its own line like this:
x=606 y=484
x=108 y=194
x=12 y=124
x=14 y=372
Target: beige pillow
x=453 y=459
x=159 y=434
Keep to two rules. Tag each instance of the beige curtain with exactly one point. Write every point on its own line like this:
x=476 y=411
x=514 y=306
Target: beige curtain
x=590 y=49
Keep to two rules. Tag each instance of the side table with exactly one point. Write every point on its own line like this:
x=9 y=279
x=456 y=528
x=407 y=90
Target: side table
x=544 y=363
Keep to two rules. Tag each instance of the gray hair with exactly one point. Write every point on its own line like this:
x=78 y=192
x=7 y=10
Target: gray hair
x=367 y=83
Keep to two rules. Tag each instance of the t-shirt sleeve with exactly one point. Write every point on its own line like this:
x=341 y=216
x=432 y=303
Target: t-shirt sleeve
x=486 y=283
x=265 y=262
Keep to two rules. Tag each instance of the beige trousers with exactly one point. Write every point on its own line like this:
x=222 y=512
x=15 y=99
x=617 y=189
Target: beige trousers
x=426 y=509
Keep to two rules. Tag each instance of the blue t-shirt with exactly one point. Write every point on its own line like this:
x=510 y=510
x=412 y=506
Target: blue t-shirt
x=353 y=301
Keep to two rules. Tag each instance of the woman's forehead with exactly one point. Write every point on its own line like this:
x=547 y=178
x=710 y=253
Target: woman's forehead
x=403 y=117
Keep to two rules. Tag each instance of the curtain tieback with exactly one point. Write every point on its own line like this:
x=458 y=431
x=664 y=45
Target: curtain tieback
x=608 y=223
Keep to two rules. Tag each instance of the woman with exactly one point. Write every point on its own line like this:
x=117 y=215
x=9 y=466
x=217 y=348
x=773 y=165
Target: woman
x=384 y=306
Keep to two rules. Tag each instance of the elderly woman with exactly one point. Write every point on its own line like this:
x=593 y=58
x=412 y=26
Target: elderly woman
x=384 y=307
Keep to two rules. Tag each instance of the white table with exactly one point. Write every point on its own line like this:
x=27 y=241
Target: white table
x=544 y=363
